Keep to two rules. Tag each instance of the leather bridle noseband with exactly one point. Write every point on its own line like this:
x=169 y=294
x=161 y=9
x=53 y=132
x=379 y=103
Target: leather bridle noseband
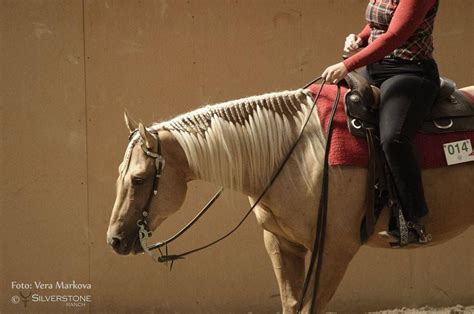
x=318 y=247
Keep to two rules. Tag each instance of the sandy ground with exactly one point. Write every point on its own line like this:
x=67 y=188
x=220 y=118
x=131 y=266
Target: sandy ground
x=426 y=309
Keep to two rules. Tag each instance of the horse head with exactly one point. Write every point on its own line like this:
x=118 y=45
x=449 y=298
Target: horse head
x=138 y=182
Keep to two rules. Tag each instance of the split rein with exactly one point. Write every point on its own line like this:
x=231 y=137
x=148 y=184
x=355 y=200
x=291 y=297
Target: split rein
x=316 y=257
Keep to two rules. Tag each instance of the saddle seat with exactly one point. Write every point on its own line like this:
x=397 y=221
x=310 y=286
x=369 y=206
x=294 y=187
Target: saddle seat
x=453 y=110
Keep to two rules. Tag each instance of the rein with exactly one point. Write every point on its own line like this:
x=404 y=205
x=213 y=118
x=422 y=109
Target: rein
x=318 y=247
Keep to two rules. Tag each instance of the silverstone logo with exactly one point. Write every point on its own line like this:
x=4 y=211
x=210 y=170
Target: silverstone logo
x=68 y=298
x=24 y=297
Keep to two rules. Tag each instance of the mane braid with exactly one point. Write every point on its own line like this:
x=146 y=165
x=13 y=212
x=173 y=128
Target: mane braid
x=243 y=141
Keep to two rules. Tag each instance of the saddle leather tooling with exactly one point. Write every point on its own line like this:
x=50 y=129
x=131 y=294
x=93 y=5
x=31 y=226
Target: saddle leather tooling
x=453 y=111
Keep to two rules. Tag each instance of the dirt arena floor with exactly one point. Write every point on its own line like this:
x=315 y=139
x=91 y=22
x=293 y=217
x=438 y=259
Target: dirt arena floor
x=428 y=310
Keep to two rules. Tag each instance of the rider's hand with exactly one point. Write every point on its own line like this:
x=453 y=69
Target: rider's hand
x=353 y=43
x=334 y=73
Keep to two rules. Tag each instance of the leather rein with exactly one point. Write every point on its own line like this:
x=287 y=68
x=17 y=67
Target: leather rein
x=317 y=253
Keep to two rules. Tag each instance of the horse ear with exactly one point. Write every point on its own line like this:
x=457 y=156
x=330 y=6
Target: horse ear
x=146 y=136
x=129 y=122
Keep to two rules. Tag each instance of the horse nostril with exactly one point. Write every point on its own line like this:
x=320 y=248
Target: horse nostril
x=115 y=243
x=119 y=244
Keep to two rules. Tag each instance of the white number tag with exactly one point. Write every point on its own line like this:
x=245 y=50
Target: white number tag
x=458 y=152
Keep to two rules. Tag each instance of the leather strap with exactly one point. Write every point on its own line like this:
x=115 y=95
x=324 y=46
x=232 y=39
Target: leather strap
x=318 y=246
x=371 y=177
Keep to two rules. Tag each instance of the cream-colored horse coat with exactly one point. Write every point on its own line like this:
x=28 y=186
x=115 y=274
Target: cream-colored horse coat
x=240 y=143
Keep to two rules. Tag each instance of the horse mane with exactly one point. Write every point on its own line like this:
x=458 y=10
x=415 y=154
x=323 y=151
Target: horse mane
x=247 y=139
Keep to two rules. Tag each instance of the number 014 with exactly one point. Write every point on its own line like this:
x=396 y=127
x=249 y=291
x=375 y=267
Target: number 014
x=457 y=148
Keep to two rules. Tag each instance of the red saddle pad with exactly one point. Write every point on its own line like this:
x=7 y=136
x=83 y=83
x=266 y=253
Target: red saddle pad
x=347 y=149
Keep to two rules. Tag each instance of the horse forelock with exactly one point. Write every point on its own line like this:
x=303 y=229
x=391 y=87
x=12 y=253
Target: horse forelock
x=247 y=138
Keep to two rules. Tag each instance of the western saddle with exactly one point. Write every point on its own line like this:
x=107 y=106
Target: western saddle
x=453 y=111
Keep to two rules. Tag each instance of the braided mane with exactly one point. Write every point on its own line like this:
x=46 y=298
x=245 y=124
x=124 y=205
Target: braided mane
x=245 y=140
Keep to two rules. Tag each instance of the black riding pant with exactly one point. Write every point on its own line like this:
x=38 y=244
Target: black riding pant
x=408 y=91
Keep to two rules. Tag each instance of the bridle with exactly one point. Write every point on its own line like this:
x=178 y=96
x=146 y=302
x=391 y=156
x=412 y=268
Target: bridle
x=159 y=165
x=318 y=247
x=144 y=232
x=159 y=162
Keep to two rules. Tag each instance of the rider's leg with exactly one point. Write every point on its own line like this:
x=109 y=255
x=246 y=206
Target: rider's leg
x=405 y=101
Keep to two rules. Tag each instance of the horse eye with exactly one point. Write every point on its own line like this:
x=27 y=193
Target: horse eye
x=137 y=181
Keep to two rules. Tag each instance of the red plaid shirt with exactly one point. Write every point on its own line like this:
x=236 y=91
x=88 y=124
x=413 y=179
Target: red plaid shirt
x=396 y=28
x=420 y=44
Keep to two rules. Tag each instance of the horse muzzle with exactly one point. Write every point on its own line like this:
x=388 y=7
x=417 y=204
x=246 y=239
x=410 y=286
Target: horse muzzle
x=124 y=245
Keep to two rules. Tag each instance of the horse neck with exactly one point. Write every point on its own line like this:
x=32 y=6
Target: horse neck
x=239 y=144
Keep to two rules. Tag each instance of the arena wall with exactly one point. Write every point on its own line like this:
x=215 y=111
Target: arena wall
x=68 y=71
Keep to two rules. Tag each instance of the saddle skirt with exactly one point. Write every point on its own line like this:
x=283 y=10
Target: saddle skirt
x=347 y=149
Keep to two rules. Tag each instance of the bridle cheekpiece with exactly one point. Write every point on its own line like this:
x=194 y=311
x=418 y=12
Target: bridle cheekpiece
x=144 y=232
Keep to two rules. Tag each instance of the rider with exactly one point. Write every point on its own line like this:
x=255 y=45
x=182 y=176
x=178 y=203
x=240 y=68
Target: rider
x=398 y=59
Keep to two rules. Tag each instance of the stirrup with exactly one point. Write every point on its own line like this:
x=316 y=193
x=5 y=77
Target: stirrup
x=416 y=235
x=419 y=228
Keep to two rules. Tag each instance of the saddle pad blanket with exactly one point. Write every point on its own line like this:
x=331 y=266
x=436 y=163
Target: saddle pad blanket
x=347 y=149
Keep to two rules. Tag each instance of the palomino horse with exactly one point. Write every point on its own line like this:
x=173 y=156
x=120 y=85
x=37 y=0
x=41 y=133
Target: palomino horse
x=238 y=145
